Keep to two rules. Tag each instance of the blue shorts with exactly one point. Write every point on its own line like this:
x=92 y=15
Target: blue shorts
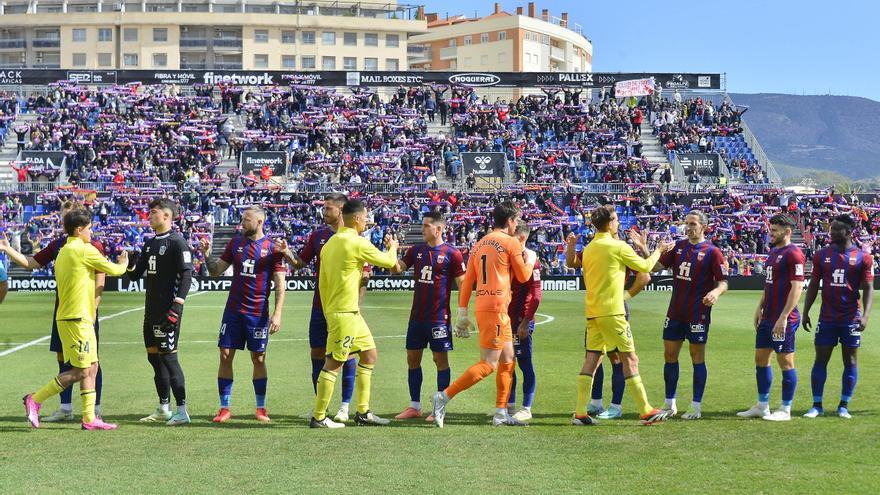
x=437 y=335
x=847 y=334
x=522 y=347
x=55 y=340
x=696 y=333
x=236 y=329
x=318 y=329
x=764 y=337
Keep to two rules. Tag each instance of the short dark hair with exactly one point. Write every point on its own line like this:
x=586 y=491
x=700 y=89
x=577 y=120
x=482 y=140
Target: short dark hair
x=600 y=217
x=353 y=206
x=503 y=212
x=782 y=220
x=336 y=198
x=435 y=217
x=522 y=228
x=164 y=204
x=846 y=220
x=75 y=219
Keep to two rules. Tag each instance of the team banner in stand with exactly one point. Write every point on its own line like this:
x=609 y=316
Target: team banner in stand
x=635 y=87
x=489 y=164
x=707 y=164
x=256 y=160
x=46 y=159
x=663 y=81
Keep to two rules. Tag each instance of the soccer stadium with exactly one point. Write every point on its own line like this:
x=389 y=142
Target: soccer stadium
x=352 y=183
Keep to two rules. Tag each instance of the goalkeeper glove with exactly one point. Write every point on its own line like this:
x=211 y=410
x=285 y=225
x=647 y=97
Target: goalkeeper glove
x=463 y=324
x=172 y=317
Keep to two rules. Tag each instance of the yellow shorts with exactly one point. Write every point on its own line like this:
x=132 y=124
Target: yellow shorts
x=347 y=333
x=609 y=333
x=78 y=342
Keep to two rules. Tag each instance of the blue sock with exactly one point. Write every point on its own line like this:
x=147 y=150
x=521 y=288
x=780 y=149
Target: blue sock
x=511 y=399
x=850 y=378
x=99 y=384
x=224 y=388
x=317 y=366
x=260 y=391
x=414 y=377
x=348 y=370
x=66 y=394
x=598 y=382
x=700 y=376
x=789 y=384
x=618 y=383
x=444 y=378
x=817 y=381
x=529 y=381
x=670 y=377
x=764 y=374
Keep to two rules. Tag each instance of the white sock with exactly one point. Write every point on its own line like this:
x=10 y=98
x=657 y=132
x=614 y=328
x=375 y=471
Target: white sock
x=764 y=405
x=416 y=405
x=528 y=409
x=181 y=409
x=343 y=406
x=596 y=403
x=445 y=397
x=614 y=406
x=165 y=407
x=785 y=408
x=695 y=406
x=670 y=404
x=67 y=408
x=500 y=411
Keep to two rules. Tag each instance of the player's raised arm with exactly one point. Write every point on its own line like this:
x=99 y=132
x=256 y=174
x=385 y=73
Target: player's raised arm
x=521 y=260
x=293 y=259
x=27 y=262
x=96 y=261
x=572 y=260
x=403 y=264
x=636 y=263
x=216 y=267
x=138 y=270
x=371 y=254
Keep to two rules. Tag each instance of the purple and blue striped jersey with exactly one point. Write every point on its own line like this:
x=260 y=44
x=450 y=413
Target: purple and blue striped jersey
x=312 y=251
x=434 y=271
x=696 y=268
x=842 y=274
x=525 y=298
x=784 y=266
x=253 y=265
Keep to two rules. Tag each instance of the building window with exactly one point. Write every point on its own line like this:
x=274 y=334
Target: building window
x=350 y=39
x=261 y=36
x=79 y=35
x=130 y=34
x=308 y=62
x=545 y=39
x=349 y=63
x=484 y=60
x=392 y=40
x=288 y=37
x=160 y=60
x=105 y=34
x=502 y=58
x=502 y=35
x=328 y=38
x=288 y=62
x=371 y=64
x=130 y=59
x=328 y=63
x=528 y=36
x=261 y=61
x=453 y=43
x=392 y=64
x=79 y=59
x=160 y=34
x=484 y=38
x=467 y=62
x=308 y=37
x=105 y=60
x=371 y=39
x=467 y=40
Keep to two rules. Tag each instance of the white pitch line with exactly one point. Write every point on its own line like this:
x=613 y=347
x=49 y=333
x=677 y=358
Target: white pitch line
x=46 y=337
x=547 y=320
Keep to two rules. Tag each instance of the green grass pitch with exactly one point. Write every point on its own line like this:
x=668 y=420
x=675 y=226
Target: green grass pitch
x=719 y=453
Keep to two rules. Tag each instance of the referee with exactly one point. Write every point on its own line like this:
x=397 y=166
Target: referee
x=605 y=260
x=75 y=269
x=342 y=263
x=167 y=262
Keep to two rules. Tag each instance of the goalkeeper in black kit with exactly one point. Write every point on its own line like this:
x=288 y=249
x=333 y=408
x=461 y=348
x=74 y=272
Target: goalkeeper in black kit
x=166 y=261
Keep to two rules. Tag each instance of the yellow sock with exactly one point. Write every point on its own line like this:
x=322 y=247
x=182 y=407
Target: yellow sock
x=88 y=405
x=637 y=390
x=326 y=384
x=54 y=387
x=585 y=385
x=362 y=382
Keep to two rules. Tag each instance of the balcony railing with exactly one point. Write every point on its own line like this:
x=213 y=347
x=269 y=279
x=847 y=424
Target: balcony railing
x=12 y=44
x=448 y=52
x=227 y=66
x=227 y=42
x=193 y=42
x=46 y=43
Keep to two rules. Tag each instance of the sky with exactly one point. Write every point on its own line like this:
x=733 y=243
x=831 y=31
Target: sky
x=769 y=46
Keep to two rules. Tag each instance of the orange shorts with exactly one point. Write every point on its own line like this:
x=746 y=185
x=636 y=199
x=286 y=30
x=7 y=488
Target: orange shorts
x=494 y=329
